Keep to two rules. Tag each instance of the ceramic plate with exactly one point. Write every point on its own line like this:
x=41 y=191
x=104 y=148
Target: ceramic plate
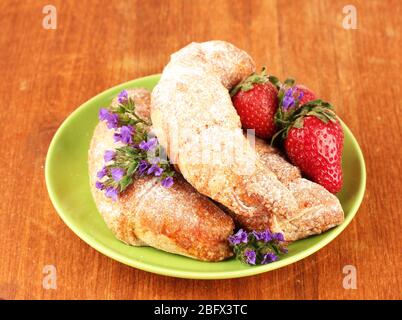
x=68 y=185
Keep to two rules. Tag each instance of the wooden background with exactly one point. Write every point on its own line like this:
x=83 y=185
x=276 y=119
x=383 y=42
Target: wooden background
x=46 y=74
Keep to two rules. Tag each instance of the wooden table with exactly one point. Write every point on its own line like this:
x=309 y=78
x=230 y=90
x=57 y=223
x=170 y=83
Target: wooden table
x=46 y=74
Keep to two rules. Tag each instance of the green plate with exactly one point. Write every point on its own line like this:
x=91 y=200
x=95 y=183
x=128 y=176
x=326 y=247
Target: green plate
x=68 y=185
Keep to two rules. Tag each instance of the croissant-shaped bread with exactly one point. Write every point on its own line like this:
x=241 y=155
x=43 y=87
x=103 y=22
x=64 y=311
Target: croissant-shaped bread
x=176 y=219
x=194 y=119
x=192 y=112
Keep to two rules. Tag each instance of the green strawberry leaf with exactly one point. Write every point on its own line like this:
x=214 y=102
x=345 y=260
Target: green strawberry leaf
x=318 y=115
x=248 y=83
x=298 y=123
x=275 y=81
x=290 y=82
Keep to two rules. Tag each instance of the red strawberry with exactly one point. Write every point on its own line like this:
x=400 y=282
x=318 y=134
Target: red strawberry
x=256 y=101
x=313 y=137
x=316 y=149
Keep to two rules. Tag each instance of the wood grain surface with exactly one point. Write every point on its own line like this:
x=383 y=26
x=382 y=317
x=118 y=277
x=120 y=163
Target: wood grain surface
x=46 y=74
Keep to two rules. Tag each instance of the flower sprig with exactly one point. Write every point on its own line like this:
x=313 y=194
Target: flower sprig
x=258 y=247
x=140 y=153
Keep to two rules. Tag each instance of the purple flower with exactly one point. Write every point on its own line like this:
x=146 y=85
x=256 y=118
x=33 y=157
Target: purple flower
x=117 y=174
x=109 y=155
x=278 y=237
x=125 y=135
x=112 y=119
x=265 y=236
x=288 y=100
x=102 y=173
x=240 y=236
x=103 y=114
x=143 y=166
x=99 y=185
x=112 y=193
x=146 y=146
x=250 y=256
x=269 y=257
x=117 y=137
x=167 y=182
x=301 y=95
x=289 y=92
x=155 y=169
x=123 y=96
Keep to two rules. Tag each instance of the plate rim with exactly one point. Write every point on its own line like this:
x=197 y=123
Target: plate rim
x=209 y=275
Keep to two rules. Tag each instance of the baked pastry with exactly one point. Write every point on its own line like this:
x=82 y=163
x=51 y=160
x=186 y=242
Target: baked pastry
x=176 y=219
x=194 y=119
x=192 y=112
